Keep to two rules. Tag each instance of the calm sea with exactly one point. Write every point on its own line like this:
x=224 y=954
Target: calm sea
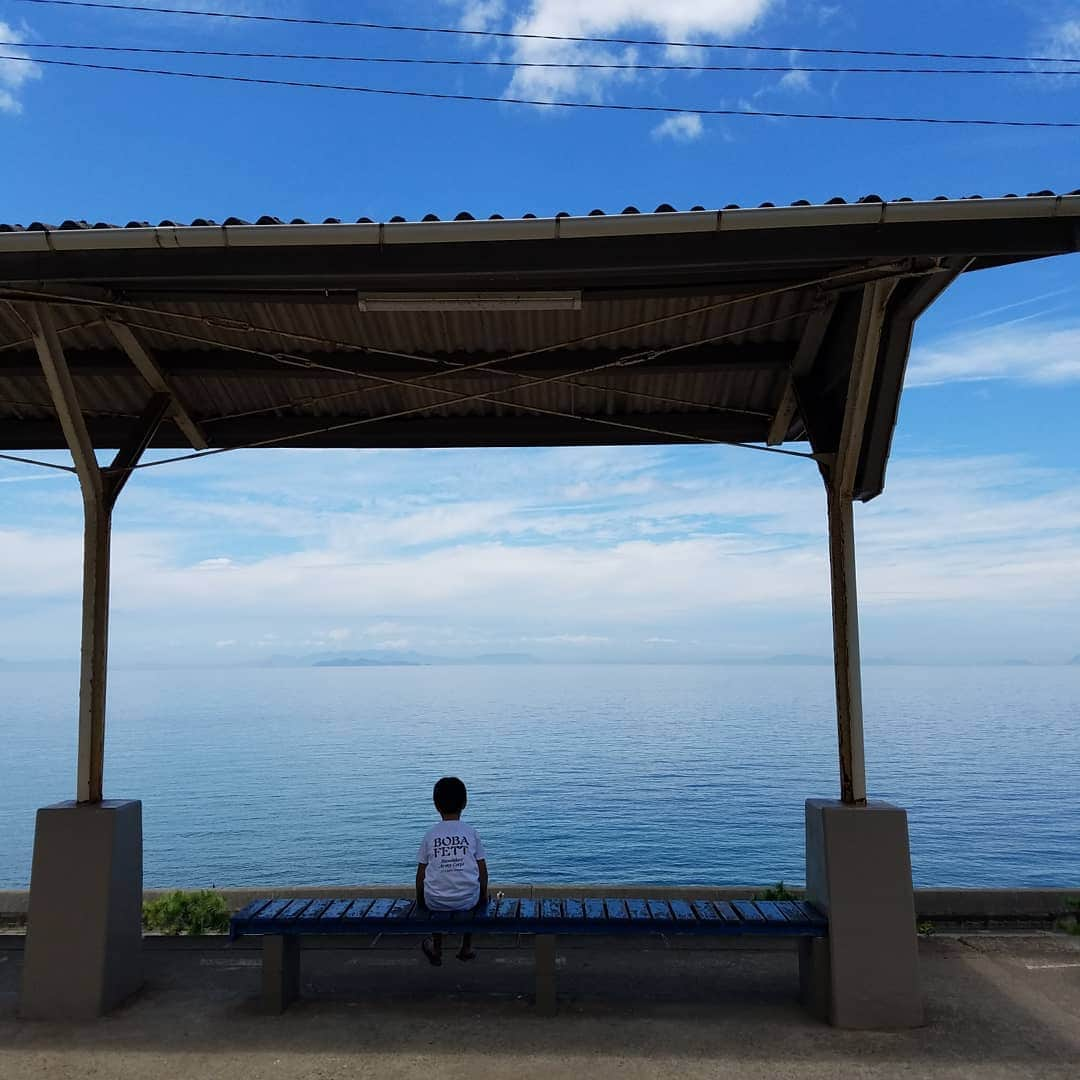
x=675 y=774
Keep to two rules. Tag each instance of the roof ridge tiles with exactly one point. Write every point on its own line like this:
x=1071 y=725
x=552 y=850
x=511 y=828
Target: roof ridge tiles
x=269 y=220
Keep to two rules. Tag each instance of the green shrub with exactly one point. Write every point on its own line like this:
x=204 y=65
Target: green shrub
x=1071 y=923
x=778 y=892
x=925 y=928
x=187 y=913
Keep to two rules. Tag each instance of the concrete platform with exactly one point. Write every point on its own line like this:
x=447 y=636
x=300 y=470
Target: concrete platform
x=997 y=1006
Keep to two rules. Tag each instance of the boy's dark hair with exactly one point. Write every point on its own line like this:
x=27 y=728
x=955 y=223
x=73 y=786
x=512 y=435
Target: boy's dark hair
x=450 y=795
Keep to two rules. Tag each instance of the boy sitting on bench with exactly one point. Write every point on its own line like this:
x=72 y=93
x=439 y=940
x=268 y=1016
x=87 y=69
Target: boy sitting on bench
x=451 y=874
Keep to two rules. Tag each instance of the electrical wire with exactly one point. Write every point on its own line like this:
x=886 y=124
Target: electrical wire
x=558 y=65
x=524 y=36
x=593 y=106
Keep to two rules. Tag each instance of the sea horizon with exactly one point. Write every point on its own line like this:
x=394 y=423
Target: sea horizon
x=614 y=773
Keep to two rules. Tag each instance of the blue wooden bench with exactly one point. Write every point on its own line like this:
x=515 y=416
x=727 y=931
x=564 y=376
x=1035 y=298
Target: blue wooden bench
x=283 y=922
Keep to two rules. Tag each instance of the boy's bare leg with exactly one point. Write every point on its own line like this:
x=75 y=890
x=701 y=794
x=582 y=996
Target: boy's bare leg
x=467 y=952
x=432 y=949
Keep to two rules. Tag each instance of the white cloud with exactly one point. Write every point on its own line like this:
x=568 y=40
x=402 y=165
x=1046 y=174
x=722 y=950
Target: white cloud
x=1056 y=38
x=481 y=14
x=699 y=546
x=684 y=128
x=214 y=565
x=675 y=20
x=228 y=644
x=1060 y=39
x=1040 y=354
x=15 y=73
x=798 y=81
x=570 y=639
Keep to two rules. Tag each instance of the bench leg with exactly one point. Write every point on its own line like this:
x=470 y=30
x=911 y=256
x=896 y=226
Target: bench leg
x=545 y=974
x=281 y=972
x=814 y=977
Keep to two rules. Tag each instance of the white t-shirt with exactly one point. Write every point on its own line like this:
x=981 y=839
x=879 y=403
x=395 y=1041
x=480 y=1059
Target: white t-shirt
x=450 y=851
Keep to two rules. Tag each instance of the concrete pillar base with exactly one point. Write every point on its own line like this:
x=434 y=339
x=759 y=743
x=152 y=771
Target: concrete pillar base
x=858 y=871
x=84 y=934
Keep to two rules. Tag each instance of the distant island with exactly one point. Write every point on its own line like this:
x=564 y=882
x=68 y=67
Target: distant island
x=395 y=659
x=363 y=661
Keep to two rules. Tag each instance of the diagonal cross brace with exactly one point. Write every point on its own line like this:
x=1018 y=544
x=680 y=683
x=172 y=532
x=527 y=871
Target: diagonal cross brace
x=157 y=380
x=117 y=474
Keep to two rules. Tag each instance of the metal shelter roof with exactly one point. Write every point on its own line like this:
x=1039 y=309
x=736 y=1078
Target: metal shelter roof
x=735 y=325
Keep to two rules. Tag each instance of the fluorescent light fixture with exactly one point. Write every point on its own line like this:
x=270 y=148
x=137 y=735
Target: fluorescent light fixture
x=471 y=301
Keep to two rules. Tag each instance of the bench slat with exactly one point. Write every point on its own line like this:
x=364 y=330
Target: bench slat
x=358 y=909
x=727 y=912
x=748 y=911
x=380 y=909
x=552 y=909
x=315 y=909
x=683 y=911
x=336 y=909
x=508 y=907
x=810 y=913
x=294 y=909
x=249 y=911
x=639 y=910
x=574 y=909
x=594 y=909
x=402 y=909
x=530 y=909
x=616 y=909
x=771 y=911
x=789 y=910
x=705 y=910
x=659 y=909
x=272 y=910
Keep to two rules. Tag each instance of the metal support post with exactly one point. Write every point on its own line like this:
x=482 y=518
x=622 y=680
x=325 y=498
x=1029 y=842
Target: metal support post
x=100 y=489
x=845 y=613
x=96 y=536
x=840 y=477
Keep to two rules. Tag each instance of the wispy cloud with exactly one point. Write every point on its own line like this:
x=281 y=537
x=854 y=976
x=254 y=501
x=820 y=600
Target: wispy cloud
x=570 y=639
x=1060 y=37
x=684 y=128
x=676 y=20
x=1040 y=353
x=705 y=541
x=17 y=72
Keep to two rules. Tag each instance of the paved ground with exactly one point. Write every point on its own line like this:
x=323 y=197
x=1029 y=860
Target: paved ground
x=998 y=1006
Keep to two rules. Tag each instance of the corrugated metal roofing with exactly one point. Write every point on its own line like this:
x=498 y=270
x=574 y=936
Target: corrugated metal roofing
x=195 y=354
x=731 y=325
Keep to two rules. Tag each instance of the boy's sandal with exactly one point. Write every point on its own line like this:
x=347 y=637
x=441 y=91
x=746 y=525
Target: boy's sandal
x=469 y=955
x=434 y=955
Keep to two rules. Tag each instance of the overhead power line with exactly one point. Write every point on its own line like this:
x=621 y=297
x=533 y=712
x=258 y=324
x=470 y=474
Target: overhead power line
x=588 y=105
x=522 y=36
x=587 y=65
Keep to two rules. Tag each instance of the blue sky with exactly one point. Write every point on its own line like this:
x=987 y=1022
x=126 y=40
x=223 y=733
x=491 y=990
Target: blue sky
x=701 y=553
